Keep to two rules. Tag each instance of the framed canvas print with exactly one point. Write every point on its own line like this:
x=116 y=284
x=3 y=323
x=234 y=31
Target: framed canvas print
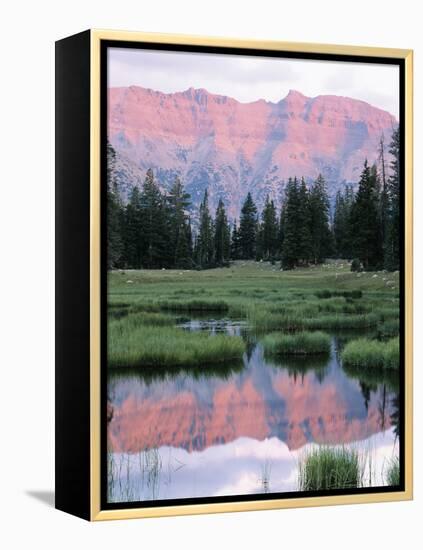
x=234 y=275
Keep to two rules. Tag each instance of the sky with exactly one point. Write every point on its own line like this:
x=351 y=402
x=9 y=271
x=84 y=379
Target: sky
x=251 y=78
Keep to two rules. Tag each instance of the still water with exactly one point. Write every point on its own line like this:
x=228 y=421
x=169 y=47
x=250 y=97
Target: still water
x=242 y=429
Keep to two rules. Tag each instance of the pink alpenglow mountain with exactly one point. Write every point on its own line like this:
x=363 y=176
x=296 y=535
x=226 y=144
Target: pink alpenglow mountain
x=215 y=142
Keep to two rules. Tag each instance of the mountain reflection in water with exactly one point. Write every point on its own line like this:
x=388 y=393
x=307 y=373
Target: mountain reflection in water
x=240 y=430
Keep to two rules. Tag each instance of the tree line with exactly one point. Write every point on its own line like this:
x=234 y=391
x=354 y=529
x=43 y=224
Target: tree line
x=367 y=224
x=153 y=230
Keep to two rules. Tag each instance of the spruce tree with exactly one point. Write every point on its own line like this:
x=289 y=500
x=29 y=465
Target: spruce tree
x=289 y=225
x=342 y=223
x=204 y=249
x=178 y=202
x=235 y=245
x=269 y=231
x=393 y=217
x=115 y=245
x=365 y=220
x=303 y=218
x=248 y=229
x=155 y=228
x=222 y=236
x=133 y=234
x=320 y=233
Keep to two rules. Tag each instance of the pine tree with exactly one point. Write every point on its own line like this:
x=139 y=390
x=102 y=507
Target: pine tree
x=269 y=231
x=320 y=233
x=393 y=217
x=289 y=257
x=222 y=236
x=115 y=245
x=183 y=249
x=155 y=228
x=365 y=220
x=204 y=249
x=342 y=223
x=235 y=244
x=303 y=219
x=248 y=229
x=133 y=234
x=178 y=202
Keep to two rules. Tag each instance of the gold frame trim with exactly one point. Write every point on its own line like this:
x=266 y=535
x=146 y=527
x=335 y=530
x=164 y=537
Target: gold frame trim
x=125 y=513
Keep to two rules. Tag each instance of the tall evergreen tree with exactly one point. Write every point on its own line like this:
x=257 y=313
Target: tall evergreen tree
x=222 y=236
x=248 y=229
x=342 y=223
x=269 y=231
x=365 y=220
x=115 y=245
x=204 y=249
x=183 y=249
x=235 y=244
x=179 y=230
x=155 y=229
x=320 y=233
x=133 y=234
x=289 y=225
x=393 y=217
x=303 y=219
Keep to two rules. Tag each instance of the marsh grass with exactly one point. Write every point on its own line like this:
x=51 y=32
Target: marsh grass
x=393 y=474
x=390 y=327
x=365 y=353
x=163 y=346
x=194 y=305
x=294 y=319
x=300 y=343
x=326 y=468
x=337 y=322
x=327 y=293
x=153 y=319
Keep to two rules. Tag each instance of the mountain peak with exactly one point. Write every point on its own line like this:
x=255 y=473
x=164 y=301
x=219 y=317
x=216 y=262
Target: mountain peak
x=295 y=94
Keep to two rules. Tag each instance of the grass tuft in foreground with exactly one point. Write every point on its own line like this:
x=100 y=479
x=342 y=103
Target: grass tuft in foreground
x=393 y=472
x=300 y=343
x=364 y=353
x=328 y=468
x=162 y=346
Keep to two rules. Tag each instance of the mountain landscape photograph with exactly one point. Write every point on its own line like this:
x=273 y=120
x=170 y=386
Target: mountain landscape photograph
x=254 y=285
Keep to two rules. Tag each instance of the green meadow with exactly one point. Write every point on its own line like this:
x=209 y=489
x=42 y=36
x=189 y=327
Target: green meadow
x=289 y=311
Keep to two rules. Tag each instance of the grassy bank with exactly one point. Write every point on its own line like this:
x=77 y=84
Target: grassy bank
x=301 y=343
x=365 y=353
x=328 y=468
x=164 y=346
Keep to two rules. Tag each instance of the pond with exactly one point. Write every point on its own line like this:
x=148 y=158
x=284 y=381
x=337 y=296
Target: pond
x=242 y=428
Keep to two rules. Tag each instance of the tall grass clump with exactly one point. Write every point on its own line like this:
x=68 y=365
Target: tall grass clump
x=195 y=305
x=300 y=343
x=391 y=327
x=326 y=293
x=393 y=472
x=149 y=346
x=328 y=468
x=153 y=319
x=337 y=322
x=365 y=353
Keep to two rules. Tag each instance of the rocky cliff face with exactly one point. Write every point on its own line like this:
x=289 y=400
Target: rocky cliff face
x=230 y=148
